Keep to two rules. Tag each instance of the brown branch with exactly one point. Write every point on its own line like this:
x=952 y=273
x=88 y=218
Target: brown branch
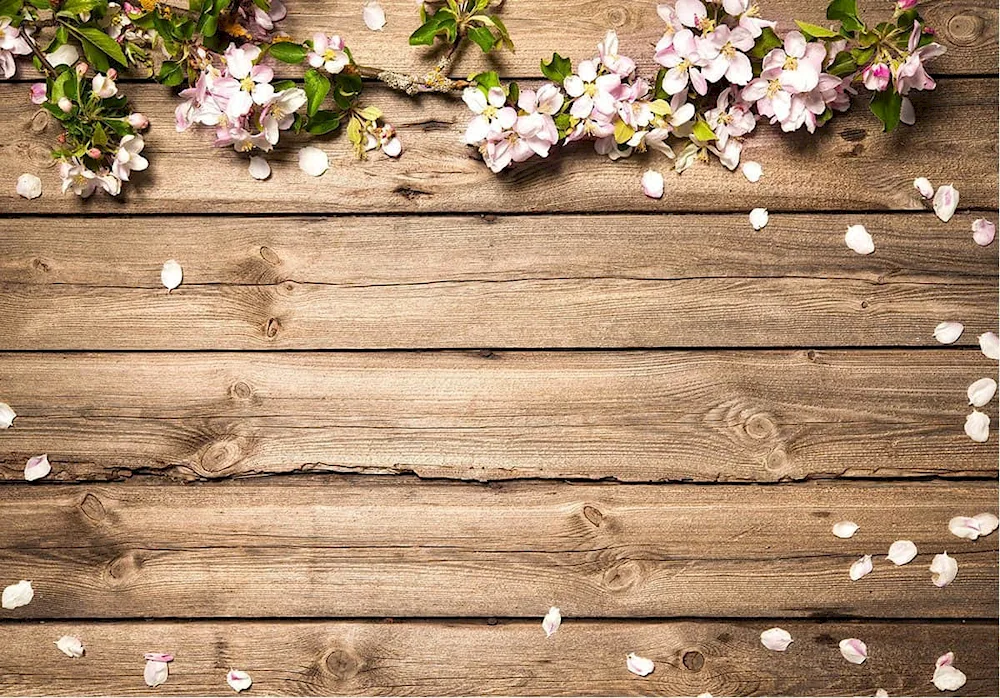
x=46 y=66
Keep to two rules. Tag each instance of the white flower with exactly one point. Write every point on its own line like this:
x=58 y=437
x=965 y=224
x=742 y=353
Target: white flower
x=83 y=182
x=104 y=86
x=127 y=158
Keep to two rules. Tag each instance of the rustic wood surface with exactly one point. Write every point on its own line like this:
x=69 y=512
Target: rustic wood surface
x=395 y=413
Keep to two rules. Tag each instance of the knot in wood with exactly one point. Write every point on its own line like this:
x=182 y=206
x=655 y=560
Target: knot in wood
x=693 y=660
x=92 y=508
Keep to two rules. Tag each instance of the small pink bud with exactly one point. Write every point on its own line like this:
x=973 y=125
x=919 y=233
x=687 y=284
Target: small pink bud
x=94 y=153
x=61 y=138
x=112 y=73
x=906 y=4
x=876 y=77
x=65 y=104
x=138 y=121
x=82 y=68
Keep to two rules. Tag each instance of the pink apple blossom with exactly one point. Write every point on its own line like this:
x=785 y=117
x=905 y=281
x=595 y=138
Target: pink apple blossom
x=876 y=77
x=328 y=53
x=492 y=113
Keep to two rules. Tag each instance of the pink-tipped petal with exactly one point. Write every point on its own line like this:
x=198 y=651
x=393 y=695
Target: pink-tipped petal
x=945 y=202
x=983 y=231
x=854 y=650
x=37 y=467
x=640 y=666
x=776 y=639
x=238 y=680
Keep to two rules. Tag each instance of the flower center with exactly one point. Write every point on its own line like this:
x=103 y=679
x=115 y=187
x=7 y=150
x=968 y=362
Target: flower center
x=729 y=51
x=246 y=84
x=329 y=54
x=490 y=112
x=773 y=88
x=706 y=25
x=791 y=63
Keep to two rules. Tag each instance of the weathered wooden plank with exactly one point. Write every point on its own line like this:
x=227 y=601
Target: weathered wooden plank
x=634 y=416
x=517 y=281
x=499 y=658
x=849 y=166
x=396 y=547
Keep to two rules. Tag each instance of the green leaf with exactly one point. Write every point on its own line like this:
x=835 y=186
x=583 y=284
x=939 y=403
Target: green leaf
x=282 y=85
x=370 y=113
x=9 y=8
x=77 y=7
x=64 y=85
x=886 y=106
x=288 y=52
x=103 y=42
x=354 y=132
x=557 y=69
x=815 y=31
x=486 y=80
x=483 y=37
x=702 y=131
x=100 y=137
x=504 y=34
x=323 y=122
x=426 y=32
x=317 y=86
x=846 y=12
x=766 y=42
x=97 y=59
x=623 y=132
x=171 y=74
x=843 y=65
x=862 y=56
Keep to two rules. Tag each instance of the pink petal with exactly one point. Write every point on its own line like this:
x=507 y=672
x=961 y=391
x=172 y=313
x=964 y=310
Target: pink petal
x=238 y=680
x=943 y=569
x=945 y=202
x=990 y=345
x=652 y=184
x=158 y=657
x=845 y=529
x=640 y=666
x=983 y=231
x=776 y=639
x=551 y=621
x=948 y=332
x=854 y=650
x=965 y=527
x=945 y=660
x=861 y=567
x=37 y=467
x=901 y=552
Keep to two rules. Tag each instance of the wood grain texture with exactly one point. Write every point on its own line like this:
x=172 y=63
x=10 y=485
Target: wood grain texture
x=398 y=547
x=510 y=281
x=502 y=658
x=848 y=165
x=634 y=416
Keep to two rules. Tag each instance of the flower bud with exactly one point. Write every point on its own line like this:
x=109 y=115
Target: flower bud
x=61 y=138
x=876 y=77
x=906 y=4
x=94 y=153
x=65 y=104
x=138 y=121
x=82 y=68
x=112 y=73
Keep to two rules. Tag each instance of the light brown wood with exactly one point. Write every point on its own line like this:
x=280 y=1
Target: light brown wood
x=849 y=166
x=504 y=658
x=512 y=281
x=635 y=416
x=398 y=547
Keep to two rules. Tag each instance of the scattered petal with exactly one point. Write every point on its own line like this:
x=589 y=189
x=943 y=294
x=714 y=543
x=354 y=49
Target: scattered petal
x=946 y=676
x=313 y=161
x=752 y=171
x=29 y=186
x=17 y=595
x=983 y=231
x=982 y=391
x=854 y=650
x=902 y=552
x=158 y=657
x=845 y=529
x=640 y=666
x=861 y=567
x=944 y=569
x=965 y=527
x=776 y=639
x=70 y=646
x=37 y=467
x=171 y=275
x=758 y=218
x=924 y=186
x=156 y=670
x=259 y=169
x=945 y=202
x=551 y=621
x=652 y=184
x=6 y=415
x=374 y=16
x=238 y=680
x=881 y=693
x=990 y=344
x=948 y=332
x=987 y=523
x=859 y=239
x=977 y=426
x=944 y=660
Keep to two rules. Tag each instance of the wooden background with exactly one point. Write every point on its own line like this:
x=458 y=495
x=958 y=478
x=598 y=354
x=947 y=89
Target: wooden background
x=475 y=397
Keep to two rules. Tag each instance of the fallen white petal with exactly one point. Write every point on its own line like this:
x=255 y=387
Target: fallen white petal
x=374 y=16
x=758 y=218
x=948 y=332
x=945 y=202
x=238 y=680
x=859 y=240
x=987 y=523
x=948 y=678
x=854 y=650
x=982 y=391
x=881 y=693
x=943 y=569
x=902 y=552
x=29 y=186
x=313 y=161
x=983 y=231
x=989 y=343
x=845 y=529
x=924 y=186
x=6 y=415
x=156 y=670
x=551 y=621
x=70 y=646
x=977 y=426
x=17 y=595
x=861 y=567
x=652 y=184
x=640 y=666
x=171 y=275
x=259 y=169
x=965 y=527
x=37 y=467
x=776 y=639
x=752 y=171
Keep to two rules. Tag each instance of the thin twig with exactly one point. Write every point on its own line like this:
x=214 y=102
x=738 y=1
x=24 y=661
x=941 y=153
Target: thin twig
x=46 y=66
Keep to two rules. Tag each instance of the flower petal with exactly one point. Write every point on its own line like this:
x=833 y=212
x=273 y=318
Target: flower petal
x=845 y=529
x=854 y=650
x=313 y=161
x=29 y=186
x=752 y=171
x=17 y=595
x=983 y=231
x=551 y=621
x=374 y=16
x=924 y=186
x=259 y=169
x=861 y=567
x=946 y=676
x=238 y=680
x=948 y=332
x=945 y=202
x=758 y=218
x=859 y=240
x=881 y=693
x=943 y=569
x=776 y=639
x=990 y=345
x=171 y=275
x=37 y=467
x=977 y=426
x=987 y=523
x=652 y=184
x=965 y=527
x=982 y=391
x=155 y=673
x=7 y=415
x=902 y=552
x=70 y=646
x=640 y=666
